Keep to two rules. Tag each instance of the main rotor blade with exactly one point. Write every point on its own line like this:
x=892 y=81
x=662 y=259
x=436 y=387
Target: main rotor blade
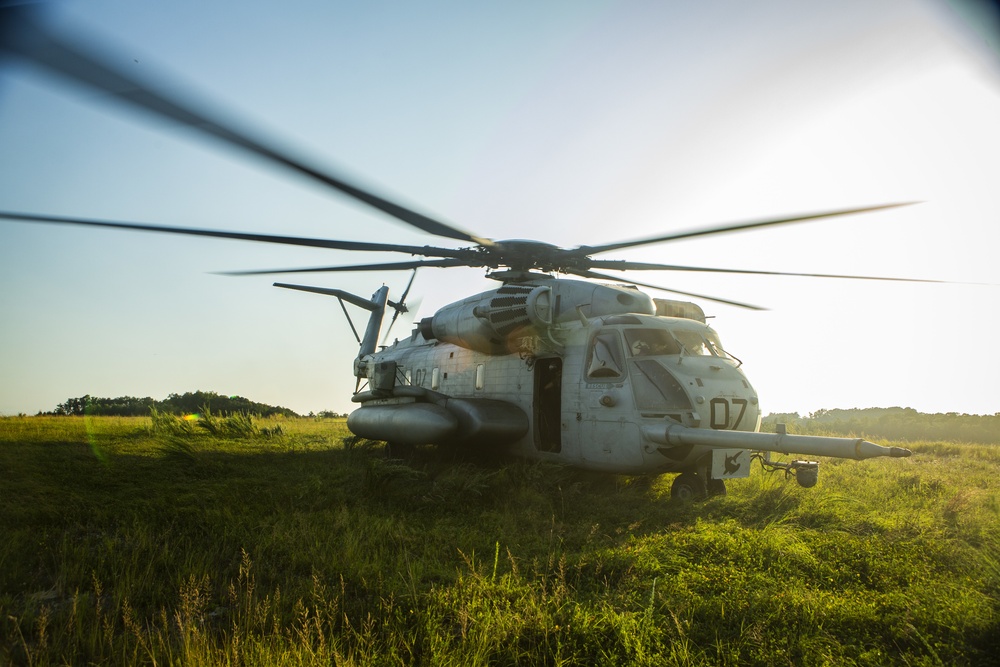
x=601 y=276
x=425 y=251
x=643 y=266
x=724 y=229
x=388 y=266
x=22 y=34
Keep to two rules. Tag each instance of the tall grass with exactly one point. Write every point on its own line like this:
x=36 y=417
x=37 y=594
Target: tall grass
x=131 y=545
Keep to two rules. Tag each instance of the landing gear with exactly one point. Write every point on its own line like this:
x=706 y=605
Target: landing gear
x=688 y=486
x=716 y=487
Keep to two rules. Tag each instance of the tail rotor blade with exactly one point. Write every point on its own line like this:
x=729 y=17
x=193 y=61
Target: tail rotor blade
x=406 y=291
x=400 y=307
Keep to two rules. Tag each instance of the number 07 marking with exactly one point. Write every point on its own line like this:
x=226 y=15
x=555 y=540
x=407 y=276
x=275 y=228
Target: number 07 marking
x=720 y=412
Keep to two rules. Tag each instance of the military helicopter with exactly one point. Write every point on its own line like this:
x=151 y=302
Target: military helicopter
x=596 y=375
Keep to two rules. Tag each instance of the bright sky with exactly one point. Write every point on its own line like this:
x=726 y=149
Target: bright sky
x=568 y=122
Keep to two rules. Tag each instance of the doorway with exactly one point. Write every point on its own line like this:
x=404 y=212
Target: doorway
x=548 y=404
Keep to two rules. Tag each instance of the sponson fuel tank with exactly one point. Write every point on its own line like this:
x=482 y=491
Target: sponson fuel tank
x=485 y=322
x=418 y=416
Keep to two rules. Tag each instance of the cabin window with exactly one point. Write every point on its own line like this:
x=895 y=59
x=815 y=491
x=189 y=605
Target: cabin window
x=649 y=342
x=480 y=376
x=435 y=378
x=408 y=377
x=606 y=360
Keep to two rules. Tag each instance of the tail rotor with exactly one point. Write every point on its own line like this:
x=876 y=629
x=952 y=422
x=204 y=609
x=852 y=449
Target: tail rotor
x=401 y=307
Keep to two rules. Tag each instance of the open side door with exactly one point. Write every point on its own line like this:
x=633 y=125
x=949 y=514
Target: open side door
x=547 y=404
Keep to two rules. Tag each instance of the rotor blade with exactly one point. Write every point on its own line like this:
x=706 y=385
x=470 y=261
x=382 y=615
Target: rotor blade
x=22 y=34
x=593 y=250
x=643 y=266
x=406 y=291
x=389 y=266
x=388 y=329
x=426 y=251
x=400 y=307
x=601 y=276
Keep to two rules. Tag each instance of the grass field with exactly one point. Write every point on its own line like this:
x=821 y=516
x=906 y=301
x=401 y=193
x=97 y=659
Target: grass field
x=128 y=544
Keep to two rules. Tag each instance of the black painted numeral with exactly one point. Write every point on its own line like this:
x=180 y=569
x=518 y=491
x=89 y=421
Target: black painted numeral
x=742 y=402
x=720 y=411
x=719 y=421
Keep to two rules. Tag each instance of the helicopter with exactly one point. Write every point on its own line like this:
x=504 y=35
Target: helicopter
x=598 y=375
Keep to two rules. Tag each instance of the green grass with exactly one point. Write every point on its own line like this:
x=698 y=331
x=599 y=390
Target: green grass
x=124 y=543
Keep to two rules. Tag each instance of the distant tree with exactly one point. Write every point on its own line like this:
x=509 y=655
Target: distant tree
x=193 y=402
x=187 y=403
x=72 y=406
x=894 y=424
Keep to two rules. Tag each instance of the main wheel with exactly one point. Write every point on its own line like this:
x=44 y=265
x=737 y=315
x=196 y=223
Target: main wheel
x=688 y=486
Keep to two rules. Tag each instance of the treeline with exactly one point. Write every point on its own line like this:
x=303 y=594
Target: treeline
x=892 y=424
x=176 y=404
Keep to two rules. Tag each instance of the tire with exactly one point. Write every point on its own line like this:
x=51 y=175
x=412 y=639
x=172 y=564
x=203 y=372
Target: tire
x=688 y=486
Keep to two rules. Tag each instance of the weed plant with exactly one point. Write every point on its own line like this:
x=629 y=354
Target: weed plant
x=142 y=541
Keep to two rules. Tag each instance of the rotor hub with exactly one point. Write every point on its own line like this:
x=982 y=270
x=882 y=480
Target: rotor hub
x=525 y=254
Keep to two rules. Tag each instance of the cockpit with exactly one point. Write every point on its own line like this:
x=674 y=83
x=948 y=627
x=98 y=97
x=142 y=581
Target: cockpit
x=651 y=342
x=606 y=359
x=672 y=366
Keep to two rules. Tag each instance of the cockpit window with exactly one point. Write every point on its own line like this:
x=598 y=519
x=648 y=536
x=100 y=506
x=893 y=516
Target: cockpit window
x=606 y=357
x=715 y=344
x=694 y=343
x=648 y=342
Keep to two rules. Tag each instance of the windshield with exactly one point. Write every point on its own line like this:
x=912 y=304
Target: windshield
x=701 y=343
x=715 y=344
x=647 y=342
x=693 y=343
x=651 y=342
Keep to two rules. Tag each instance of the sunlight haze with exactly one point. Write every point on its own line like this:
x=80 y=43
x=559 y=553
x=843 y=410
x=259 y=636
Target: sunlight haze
x=567 y=122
